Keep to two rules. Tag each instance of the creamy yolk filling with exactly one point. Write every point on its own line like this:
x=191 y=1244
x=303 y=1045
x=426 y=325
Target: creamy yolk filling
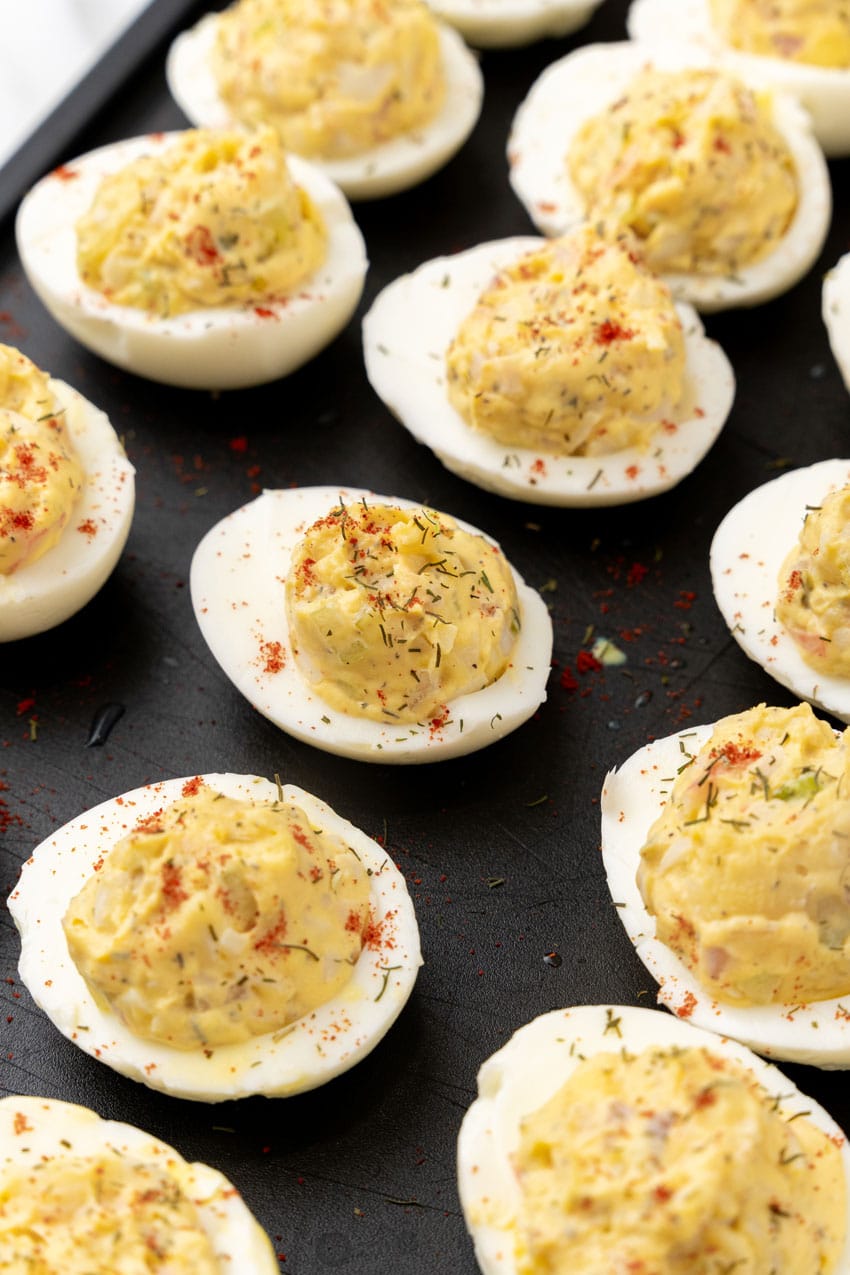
x=816 y=32
x=675 y=1161
x=40 y=476
x=334 y=77
x=691 y=162
x=575 y=348
x=76 y=1215
x=213 y=220
x=219 y=920
x=392 y=612
x=746 y=868
x=814 y=587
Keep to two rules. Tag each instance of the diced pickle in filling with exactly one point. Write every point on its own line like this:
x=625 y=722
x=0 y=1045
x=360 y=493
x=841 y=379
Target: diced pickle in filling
x=393 y=612
x=747 y=868
x=219 y=920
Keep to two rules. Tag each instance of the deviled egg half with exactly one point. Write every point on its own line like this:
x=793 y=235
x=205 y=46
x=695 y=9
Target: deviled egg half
x=724 y=185
x=376 y=96
x=67 y=495
x=204 y=259
x=557 y=372
x=724 y=847
x=836 y=314
x=801 y=47
x=503 y=24
x=370 y=626
x=608 y=1138
x=217 y=936
x=83 y=1194
x=780 y=570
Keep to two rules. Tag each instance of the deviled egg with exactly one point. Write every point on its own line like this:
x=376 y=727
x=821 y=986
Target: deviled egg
x=501 y=24
x=784 y=595
x=608 y=1138
x=83 y=1194
x=723 y=847
x=725 y=187
x=217 y=936
x=801 y=47
x=557 y=372
x=202 y=259
x=370 y=626
x=66 y=498
x=377 y=96
x=836 y=314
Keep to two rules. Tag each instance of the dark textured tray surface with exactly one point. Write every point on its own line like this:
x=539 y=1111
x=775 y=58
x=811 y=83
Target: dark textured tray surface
x=359 y=1176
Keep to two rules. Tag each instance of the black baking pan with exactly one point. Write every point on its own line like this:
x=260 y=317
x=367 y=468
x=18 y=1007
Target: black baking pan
x=500 y=848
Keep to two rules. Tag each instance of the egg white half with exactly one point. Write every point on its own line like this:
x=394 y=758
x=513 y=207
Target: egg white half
x=406 y=364
x=303 y=1055
x=823 y=90
x=836 y=314
x=583 y=84
x=632 y=798
x=395 y=165
x=237 y=583
x=42 y=594
x=530 y=1069
x=223 y=347
x=747 y=552
x=34 y=1131
x=502 y=24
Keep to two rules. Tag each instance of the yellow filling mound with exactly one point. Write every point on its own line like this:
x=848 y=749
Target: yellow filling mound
x=40 y=476
x=814 y=587
x=745 y=868
x=690 y=162
x=334 y=77
x=675 y=1161
x=393 y=611
x=213 y=220
x=219 y=920
x=811 y=31
x=575 y=348
x=77 y=1216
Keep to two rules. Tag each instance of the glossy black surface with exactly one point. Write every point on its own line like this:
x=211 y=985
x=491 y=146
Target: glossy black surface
x=501 y=849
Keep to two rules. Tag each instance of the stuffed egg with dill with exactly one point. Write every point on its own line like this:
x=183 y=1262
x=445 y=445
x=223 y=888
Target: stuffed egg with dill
x=370 y=626
x=801 y=47
x=559 y=372
x=723 y=184
x=725 y=847
x=66 y=498
x=609 y=1138
x=204 y=259
x=780 y=571
x=377 y=96
x=217 y=937
x=82 y=1194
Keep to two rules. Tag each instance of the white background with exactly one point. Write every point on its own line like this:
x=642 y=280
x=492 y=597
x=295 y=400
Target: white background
x=45 y=48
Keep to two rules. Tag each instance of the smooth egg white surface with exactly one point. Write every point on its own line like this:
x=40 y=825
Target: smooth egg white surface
x=583 y=84
x=747 y=552
x=632 y=798
x=406 y=364
x=223 y=347
x=836 y=314
x=35 y=1131
x=307 y=1053
x=42 y=594
x=823 y=90
x=530 y=1069
x=495 y=24
x=237 y=583
x=395 y=165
